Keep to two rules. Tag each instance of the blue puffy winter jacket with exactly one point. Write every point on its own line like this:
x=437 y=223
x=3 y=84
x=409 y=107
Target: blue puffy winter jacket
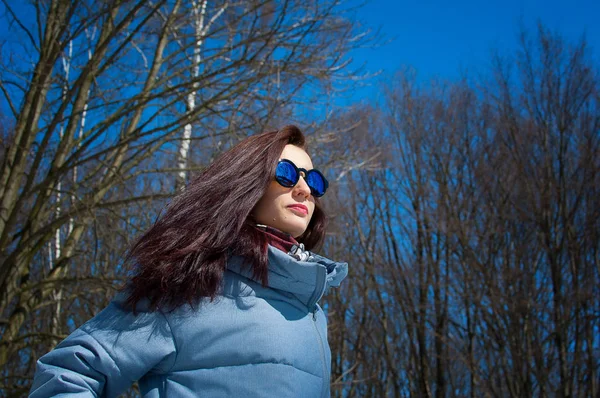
x=251 y=341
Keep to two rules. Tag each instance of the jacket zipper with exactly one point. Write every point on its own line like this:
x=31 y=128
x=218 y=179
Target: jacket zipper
x=322 y=348
x=312 y=307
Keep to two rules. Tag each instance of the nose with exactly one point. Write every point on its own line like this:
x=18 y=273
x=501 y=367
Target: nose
x=302 y=188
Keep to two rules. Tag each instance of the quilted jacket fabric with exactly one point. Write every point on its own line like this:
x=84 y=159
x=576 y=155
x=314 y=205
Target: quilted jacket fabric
x=251 y=341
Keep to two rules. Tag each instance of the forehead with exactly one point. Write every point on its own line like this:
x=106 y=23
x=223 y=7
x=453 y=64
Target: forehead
x=298 y=156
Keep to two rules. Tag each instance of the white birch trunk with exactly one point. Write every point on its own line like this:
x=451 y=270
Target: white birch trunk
x=199 y=12
x=57 y=294
x=190 y=105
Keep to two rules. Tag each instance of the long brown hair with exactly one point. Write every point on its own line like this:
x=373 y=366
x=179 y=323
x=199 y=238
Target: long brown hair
x=183 y=256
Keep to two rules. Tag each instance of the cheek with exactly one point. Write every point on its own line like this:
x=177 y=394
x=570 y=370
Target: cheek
x=312 y=209
x=268 y=205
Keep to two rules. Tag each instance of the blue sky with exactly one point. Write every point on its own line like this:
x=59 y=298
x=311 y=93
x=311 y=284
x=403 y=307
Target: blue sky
x=441 y=38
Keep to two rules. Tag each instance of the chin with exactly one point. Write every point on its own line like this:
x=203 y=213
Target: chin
x=295 y=230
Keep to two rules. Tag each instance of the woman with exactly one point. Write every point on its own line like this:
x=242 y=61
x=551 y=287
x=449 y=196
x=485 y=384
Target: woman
x=223 y=298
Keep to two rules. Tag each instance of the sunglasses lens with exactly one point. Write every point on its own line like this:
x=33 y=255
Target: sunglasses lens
x=317 y=183
x=286 y=174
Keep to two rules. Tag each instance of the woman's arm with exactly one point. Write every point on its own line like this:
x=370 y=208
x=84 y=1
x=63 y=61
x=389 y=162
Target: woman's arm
x=106 y=355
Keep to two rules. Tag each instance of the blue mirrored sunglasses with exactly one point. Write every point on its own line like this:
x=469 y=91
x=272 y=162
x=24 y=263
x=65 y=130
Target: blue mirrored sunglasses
x=287 y=174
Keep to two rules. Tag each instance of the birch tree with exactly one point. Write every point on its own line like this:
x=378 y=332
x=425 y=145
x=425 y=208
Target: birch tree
x=97 y=147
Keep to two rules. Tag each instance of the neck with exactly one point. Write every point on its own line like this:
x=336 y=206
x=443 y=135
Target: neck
x=276 y=238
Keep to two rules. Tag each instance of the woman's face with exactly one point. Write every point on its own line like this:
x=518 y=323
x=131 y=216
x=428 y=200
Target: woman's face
x=288 y=209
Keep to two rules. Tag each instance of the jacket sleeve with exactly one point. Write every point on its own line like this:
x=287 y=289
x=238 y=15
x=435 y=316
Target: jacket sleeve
x=106 y=355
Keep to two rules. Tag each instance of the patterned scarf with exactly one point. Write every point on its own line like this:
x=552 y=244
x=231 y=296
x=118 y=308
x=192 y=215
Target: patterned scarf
x=285 y=242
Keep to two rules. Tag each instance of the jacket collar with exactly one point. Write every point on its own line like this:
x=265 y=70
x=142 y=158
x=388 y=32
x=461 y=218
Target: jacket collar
x=306 y=280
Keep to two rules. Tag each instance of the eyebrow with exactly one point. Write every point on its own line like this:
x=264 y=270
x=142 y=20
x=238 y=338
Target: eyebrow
x=300 y=168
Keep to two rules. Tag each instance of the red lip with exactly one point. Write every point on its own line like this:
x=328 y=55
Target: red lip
x=298 y=207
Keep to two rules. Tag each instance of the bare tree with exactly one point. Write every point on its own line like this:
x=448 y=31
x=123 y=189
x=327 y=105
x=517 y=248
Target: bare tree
x=95 y=139
x=475 y=245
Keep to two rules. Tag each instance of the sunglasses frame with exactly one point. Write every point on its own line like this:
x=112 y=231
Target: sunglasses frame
x=306 y=173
